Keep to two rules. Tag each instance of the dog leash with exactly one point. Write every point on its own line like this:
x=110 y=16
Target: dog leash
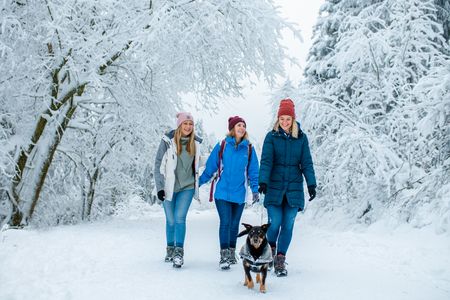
x=261 y=214
x=260 y=207
x=304 y=208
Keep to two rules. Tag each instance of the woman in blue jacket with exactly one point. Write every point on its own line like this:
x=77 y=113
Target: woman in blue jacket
x=285 y=159
x=236 y=170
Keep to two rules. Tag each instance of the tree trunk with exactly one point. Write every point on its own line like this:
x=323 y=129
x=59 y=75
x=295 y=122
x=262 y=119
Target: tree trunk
x=23 y=208
x=43 y=173
x=93 y=181
x=91 y=192
x=21 y=213
x=20 y=168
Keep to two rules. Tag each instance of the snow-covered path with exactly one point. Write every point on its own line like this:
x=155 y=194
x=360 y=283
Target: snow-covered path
x=123 y=259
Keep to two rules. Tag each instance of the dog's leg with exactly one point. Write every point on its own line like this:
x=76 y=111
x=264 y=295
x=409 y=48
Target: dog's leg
x=250 y=283
x=245 y=273
x=248 y=277
x=262 y=286
x=258 y=278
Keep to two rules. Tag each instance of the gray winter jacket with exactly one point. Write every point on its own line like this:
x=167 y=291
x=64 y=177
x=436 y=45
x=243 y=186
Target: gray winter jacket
x=166 y=163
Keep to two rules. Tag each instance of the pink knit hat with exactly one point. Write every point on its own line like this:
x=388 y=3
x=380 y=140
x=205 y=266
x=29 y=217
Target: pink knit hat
x=184 y=116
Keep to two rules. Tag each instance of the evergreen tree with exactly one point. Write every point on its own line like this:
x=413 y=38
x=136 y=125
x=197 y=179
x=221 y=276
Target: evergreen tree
x=377 y=134
x=320 y=66
x=443 y=17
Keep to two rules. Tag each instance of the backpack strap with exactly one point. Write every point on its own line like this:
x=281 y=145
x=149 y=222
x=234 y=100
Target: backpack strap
x=249 y=155
x=219 y=172
x=249 y=158
x=222 y=147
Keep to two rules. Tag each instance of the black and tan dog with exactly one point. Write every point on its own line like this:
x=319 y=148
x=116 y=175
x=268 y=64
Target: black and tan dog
x=256 y=255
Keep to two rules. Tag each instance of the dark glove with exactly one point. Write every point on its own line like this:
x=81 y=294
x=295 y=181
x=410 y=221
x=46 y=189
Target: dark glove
x=255 y=198
x=262 y=188
x=312 y=192
x=161 y=195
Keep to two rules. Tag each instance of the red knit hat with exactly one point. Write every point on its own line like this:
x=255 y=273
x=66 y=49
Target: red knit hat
x=232 y=121
x=287 y=108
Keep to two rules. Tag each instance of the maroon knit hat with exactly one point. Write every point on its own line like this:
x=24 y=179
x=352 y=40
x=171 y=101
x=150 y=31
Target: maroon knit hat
x=232 y=121
x=286 y=108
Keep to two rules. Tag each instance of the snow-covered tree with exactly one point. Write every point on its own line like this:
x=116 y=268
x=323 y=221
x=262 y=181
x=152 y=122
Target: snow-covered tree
x=326 y=34
x=368 y=122
x=63 y=62
x=443 y=17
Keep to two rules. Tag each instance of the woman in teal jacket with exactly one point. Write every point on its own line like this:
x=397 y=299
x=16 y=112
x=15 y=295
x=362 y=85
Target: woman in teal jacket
x=237 y=170
x=285 y=160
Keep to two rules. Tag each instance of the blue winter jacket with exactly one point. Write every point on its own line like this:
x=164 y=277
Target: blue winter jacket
x=284 y=162
x=232 y=184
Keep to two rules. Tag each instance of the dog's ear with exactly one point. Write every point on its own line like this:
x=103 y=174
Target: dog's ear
x=246 y=230
x=265 y=227
x=247 y=226
x=243 y=232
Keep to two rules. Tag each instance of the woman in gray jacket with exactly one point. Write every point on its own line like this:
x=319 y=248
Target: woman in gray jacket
x=176 y=179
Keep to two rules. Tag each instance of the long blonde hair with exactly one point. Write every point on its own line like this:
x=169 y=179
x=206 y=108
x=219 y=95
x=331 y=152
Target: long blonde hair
x=232 y=133
x=190 y=147
x=293 y=130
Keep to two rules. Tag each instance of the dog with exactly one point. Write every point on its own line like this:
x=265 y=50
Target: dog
x=256 y=255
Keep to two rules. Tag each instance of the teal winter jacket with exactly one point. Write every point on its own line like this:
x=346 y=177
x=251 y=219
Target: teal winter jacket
x=284 y=162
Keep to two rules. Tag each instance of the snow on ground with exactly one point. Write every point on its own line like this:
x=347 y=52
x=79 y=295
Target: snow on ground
x=122 y=258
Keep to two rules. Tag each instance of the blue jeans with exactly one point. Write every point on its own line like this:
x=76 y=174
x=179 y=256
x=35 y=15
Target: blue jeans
x=230 y=215
x=176 y=212
x=281 y=219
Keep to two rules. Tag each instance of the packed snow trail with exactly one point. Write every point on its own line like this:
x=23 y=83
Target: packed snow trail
x=123 y=258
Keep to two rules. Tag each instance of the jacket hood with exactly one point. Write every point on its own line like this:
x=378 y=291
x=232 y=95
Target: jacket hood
x=231 y=140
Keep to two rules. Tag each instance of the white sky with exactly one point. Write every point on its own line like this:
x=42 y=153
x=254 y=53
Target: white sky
x=253 y=107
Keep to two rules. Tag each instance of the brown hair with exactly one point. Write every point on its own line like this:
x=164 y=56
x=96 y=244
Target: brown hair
x=190 y=147
x=293 y=130
x=232 y=133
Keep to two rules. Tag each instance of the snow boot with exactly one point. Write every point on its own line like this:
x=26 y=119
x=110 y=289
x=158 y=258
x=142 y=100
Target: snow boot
x=224 y=262
x=178 y=260
x=232 y=256
x=280 y=265
x=273 y=258
x=169 y=253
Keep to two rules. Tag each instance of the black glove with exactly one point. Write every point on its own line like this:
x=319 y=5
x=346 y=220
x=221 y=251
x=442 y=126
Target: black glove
x=312 y=192
x=161 y=195
x=262 y=188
